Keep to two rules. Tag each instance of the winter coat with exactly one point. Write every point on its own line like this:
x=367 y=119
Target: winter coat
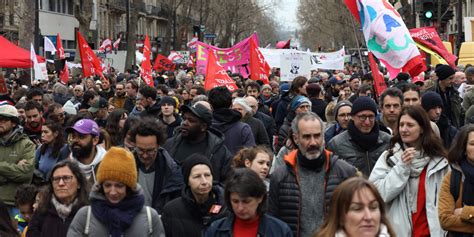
x=318 y=106
x=456 y=115
x=268 y=226
x=268 y=122
x=285 y=197
x=259 y=133
x=46 y=158
x=344 y=146
x=281 y=108
x=236 y=133
x=392 y=183
x=170 y=128
x=284 y=130
x=184 y=211
x=463 y=223
x=139 y=226
x=332 y=131
x=17 y=146
x=129 y=104
x=152 y=111
x=216 y=151
x=117 y=102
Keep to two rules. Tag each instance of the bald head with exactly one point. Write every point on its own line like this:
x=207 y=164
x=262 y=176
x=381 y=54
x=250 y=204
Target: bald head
x=253 y=103
x=459 y=78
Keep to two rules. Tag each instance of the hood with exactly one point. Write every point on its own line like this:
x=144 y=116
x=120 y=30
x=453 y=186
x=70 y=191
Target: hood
x=223 y=119
x=15 y=135
x=95 y=193
x=89 y=169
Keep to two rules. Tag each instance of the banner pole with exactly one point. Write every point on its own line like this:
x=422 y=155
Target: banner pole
x=358 y=46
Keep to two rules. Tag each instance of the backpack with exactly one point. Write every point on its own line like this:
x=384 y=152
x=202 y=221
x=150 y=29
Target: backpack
x=148 y=215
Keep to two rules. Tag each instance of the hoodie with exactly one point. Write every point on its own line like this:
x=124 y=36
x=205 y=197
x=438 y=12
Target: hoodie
x=90 y=169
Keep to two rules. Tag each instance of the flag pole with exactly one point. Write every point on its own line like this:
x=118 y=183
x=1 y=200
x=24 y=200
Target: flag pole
x=358 y=45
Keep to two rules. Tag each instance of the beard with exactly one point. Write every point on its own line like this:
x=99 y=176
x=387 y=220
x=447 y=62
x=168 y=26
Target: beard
x=121 y=94
x=312 y=152
x=80 y=152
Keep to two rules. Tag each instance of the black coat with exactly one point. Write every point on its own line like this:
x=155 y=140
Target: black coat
x=184 y=217
x=259 y=132
x=269 y=124
x=49 y=224
x=318 y=106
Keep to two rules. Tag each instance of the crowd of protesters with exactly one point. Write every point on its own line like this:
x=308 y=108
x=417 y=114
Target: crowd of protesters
x=319 y=156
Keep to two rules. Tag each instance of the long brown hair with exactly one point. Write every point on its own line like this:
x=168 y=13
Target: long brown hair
x=250 y=154
x=340 y=202
x=457 y=151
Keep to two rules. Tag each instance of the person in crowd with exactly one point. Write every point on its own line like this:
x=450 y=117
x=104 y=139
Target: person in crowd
x=100 y=111
x=200 y=203
x=245 y=196
x=168 y=116
x=356 y=209
x=457 y=190
x=364 y=90
x=433 y=105
x=35 y=95
x=298 y=87
x=60 y=93
x=227 y=121
x=24 y=199
x=402 y=79
x=452 y=108
x=465 y=88
x=310 y=167
x=252 y=88
x=333 y=89
x=77 y=97
x=318 y=105
x=131 y=88
x=362 y=143
x=391 y=102
x=196 y=136
x=411 y=95
x=67 y=192
x=196 y=90
x=342 y=113
x=20 y=107
x=267 y=120
x=116 y=202
x=355 y=82
x=34 y=121
x=83 y=140
x=266 y=95
x=107 y=91
x=118 y=100
x=17 y=155
x=7 y=228
x=114 y=126
x=147 y=99
x=258 y=159
x=56 y=113
x=158 y=174
x=258 y=129
x=53 y=149
x=409 y=174
x=90 y=98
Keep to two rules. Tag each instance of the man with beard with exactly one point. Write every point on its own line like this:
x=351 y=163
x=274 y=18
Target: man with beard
x=118 y=100
x=17 y=155
x=83 y=143
x=34 y=121
x=131 y=89
x=107 y=91
x=195 y=136
x=391 y=103
x=147 y=99
x=362 y=143
x=300 y=191
x=334 y=86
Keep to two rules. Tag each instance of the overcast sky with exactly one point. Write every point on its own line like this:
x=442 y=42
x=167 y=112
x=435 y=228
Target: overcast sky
x=285 y=12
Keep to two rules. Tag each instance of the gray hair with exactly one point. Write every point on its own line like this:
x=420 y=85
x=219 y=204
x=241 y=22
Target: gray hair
x=306 y=116
x=242 y=102
x=199 y=98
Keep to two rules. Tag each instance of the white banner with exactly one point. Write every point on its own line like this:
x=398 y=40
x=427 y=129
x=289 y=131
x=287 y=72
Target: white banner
x=293 y=65
x=331 y=61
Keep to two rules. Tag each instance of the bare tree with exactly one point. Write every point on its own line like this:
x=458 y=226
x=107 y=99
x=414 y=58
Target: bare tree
x=26 y=24
x=132 y=33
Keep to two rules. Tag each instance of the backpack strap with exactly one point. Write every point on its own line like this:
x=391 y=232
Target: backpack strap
x=455 y=183
x=150 y=225
x=88 y=221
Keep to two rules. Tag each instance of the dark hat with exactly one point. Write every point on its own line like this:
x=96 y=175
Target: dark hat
x=335 y=81
x=355 y=76
x=168 y=100
x=444 y=71
x=403 y=76
x=363 y=103
x=341 y=104
x=102 y=103
x=190 y=162
x=431 y=100
x=199 y=111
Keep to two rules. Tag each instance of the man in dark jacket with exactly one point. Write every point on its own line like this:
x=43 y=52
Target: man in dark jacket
x=147 y=99
x=196 y=137
x=158 y=173
x=267 y=121
x=237 y=134
x=300 y=191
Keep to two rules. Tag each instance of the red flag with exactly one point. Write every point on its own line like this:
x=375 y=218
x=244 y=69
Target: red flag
x=162 y=63
x=379 y=82
x=145 y=72
x=59 y=48
x=106 y=46
x=352 y=6
x=216 y=75
x=64 y=74
x=428 y=37
x=90 y=63
x=259 y=68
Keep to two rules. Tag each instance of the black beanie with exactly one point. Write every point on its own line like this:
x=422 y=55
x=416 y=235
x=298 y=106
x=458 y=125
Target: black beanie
x=190 y=162
x=363 y=103
x=168 y=100
x=403 y=76
x=431 y=100
x=444 y=71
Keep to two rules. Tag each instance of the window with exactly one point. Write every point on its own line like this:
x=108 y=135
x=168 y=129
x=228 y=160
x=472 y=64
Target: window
x=52 y=5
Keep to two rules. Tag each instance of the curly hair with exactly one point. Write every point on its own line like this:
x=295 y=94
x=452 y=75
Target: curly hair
x=249 y=153
x=149 y=127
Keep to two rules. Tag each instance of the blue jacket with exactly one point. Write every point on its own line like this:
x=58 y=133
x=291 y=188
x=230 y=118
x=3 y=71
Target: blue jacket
x=268 y=226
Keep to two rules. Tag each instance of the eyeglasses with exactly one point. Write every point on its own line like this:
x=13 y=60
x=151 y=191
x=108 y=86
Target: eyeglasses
x=365 y=117
x=65 y=179
x=149 y=152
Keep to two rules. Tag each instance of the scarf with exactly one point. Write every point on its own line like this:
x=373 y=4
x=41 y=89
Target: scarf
x=118 y=217
x=418 y=163
x=364 y=140
x=382 y=233
x=37 y=129
x=62 y=209
x=316 y=164
x=468 y=184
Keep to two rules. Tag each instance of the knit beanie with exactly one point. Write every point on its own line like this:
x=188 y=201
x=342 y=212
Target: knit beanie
x=168 y=100
x=431 y=100
x=444 y=71
x=341 y=104
x=363 y=103
x=191 y=161
x=118 y=165
x=297 y=101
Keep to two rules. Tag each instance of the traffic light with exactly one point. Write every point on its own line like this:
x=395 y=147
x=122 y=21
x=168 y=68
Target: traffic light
x=428 y=9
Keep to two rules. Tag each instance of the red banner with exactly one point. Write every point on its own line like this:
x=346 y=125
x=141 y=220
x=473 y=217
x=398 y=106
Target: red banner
x=162 y=63
x=259 y=68
x=379 y=82
x=64 y=74
x=59 y=48
x=216 y=75
x=90 y=63
x=428 y=37
x=145 y=72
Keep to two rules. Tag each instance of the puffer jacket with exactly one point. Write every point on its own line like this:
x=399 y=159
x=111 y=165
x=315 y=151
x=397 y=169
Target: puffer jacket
x=392 y=183
x=17 y=146
x=268 y=226
x=346 y=149
x=139 y=226
x=284 y=196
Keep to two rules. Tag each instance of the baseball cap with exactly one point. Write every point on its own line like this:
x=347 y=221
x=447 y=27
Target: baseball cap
x=85 y=127
x=8 y=111
x=199 y=111
x=334 y=80
x=102 y=103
